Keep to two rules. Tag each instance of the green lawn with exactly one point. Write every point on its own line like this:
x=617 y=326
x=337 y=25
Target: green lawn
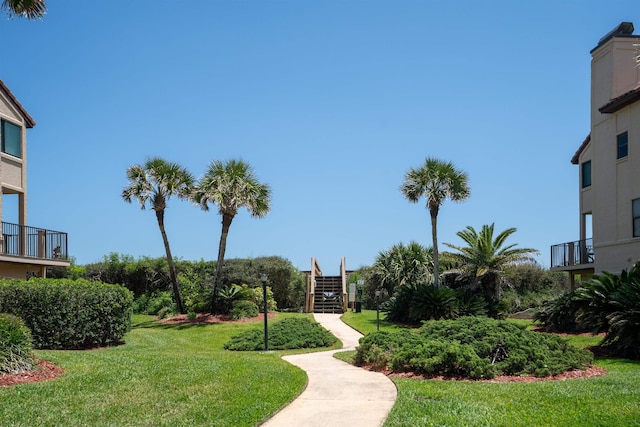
x=163 y=376
x=612 y=400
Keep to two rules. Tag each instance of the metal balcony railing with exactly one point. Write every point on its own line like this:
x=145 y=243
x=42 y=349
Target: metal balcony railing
x=32 y=242
x=572 y=253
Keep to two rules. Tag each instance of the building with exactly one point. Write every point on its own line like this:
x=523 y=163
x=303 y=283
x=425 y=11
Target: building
x=25 y=251
x=608 y=164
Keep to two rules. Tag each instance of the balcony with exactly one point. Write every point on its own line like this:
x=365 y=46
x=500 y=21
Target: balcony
x=572 y=255
x=33 y=242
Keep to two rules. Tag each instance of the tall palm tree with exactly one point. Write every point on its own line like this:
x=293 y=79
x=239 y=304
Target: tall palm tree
x=156 y=181
x=231 y=185
x=485 y=258
x=436 y=181
x=30 y=9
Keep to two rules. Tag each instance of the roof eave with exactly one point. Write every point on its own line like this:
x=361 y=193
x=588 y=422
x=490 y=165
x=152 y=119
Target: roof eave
x=28 y=120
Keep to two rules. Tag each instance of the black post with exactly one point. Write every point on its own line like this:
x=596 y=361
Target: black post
x=264 y=294
x=378 y=309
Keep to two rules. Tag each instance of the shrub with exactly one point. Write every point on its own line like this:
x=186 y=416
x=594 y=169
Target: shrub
x=63 y=314
x=612 y=303
x=153 y=303
x=242 y=309
x=164 y=312
x=559 y=315
x=414 y=303
x=293 y=332
x=15 y=345
x=472 y=347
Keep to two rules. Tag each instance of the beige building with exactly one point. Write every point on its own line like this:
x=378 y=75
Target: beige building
x=609 y=164
x=24 y=251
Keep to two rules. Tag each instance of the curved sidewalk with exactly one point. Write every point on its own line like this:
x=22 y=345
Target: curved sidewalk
x=337 y=394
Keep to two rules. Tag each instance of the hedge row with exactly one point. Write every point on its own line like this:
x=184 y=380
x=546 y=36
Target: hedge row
x=69 y=314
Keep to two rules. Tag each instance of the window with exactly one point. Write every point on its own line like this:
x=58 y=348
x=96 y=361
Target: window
x=11 y=139
x=586 y=174
x=623 y=145
x=635 y=208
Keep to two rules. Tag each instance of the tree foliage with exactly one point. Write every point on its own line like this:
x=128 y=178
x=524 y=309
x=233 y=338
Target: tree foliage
x=436 y=181
x=30 y=9
x=230 y=186
x=155 y=182
x=401 y=265
x=485 y=257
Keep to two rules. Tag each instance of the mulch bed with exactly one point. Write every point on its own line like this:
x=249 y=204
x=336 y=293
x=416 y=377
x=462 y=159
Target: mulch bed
x=181 y=319
x=43 y=371
x=590 y=372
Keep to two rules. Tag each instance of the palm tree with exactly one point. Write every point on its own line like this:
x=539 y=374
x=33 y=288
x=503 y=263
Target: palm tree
x=156 y=181
x=30 y=9
x=485 y=257
x=230 y=185
x=402 y=265
x=437 y=181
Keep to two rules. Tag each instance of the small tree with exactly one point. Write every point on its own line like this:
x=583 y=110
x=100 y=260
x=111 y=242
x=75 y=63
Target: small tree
x=484 y=257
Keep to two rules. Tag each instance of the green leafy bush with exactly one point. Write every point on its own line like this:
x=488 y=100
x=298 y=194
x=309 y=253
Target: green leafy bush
x=243 y=309
x=64 y=314
x=559 y=315
x=611 y=303
x=293 y=332
x=416 y=302
x=15 y=345
x=472 y=347
x=607 y=303
x=154 y=302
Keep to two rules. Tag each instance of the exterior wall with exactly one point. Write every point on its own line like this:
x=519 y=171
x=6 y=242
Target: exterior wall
x=13 y=179
x=615 y=182
x=10 y=270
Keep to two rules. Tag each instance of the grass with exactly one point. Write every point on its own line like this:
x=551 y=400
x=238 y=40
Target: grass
x=165 y=375
x=365 y=322
x=610 y=400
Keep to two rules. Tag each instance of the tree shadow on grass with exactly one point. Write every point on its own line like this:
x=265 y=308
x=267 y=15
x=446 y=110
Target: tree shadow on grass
x=154 y=324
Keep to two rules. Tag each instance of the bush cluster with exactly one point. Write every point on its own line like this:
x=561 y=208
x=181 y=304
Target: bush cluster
x=148 y=276
x=607 y=303
x=243 y=309
x=413 y=303
x=67 y=314
x=16 y=353
x=471 y=347
x=293 y=332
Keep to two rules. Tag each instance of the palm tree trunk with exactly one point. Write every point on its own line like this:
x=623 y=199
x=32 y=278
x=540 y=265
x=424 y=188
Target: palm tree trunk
x=222 y=248
x=434 y=236
x=172 y=268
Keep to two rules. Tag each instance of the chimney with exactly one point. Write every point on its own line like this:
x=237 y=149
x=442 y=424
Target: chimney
x=613 y=67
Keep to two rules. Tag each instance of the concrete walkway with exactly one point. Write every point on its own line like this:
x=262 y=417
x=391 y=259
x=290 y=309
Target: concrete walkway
x=337 y=394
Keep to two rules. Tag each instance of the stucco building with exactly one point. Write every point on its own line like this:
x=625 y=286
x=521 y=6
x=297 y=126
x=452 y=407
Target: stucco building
x=608 y=164
x=25 y=251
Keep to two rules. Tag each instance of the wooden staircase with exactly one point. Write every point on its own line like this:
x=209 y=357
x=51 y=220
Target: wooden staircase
x=325 y=294
x=328 y=295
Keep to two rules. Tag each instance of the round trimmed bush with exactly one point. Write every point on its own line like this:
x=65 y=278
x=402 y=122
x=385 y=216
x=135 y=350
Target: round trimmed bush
x=15 y=345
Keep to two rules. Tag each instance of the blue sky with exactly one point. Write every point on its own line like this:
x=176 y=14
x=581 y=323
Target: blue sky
x=330 y=101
